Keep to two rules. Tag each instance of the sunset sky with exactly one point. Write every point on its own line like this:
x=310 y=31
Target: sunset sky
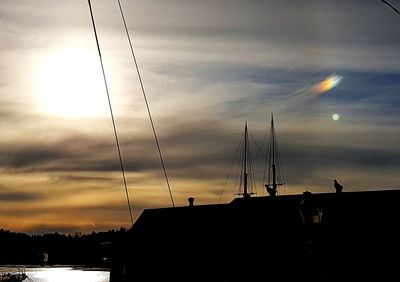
x=328 y=70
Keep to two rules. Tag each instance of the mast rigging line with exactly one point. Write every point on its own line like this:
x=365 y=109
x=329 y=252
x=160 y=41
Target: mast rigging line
x=112 y=114
x=146 y=102
x=230 y=169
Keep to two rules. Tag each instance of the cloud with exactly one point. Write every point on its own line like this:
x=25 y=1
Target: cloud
x=196 y=147
x=309 y=93
x=20 y=197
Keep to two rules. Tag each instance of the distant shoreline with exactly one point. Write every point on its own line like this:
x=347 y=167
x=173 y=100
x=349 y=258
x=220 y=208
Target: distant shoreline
x=74 y=267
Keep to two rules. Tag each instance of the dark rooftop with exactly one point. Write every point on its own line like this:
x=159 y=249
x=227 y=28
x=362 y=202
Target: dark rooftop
x=247 y=234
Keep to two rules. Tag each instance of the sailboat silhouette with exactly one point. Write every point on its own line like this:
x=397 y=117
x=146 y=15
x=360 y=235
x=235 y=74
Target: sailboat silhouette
x=273 y=176
x=274 y=170
x=245 y=187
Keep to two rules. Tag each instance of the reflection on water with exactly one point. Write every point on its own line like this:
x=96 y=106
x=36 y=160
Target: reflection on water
x=66 y=274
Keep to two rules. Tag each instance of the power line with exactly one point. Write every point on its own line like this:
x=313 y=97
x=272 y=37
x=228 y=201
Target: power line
x=146 y=102
x=391 y=6
x=112 y=115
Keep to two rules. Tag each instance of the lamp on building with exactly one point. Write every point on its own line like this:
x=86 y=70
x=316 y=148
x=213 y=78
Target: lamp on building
x=310 y=212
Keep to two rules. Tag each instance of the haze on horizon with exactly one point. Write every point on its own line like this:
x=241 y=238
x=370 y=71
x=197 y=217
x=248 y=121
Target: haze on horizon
x=207 y=66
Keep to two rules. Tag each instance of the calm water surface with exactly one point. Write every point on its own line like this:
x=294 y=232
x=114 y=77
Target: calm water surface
x=66 y=274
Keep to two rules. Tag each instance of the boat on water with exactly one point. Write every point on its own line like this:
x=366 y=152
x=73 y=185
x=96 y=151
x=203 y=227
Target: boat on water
x=13 y=276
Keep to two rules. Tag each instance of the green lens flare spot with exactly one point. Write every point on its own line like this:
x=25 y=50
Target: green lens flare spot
x=335 y=117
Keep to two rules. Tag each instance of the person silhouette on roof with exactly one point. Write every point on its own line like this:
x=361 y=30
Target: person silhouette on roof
x=338 y=187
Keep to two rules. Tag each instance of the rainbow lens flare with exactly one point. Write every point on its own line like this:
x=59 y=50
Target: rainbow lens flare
x=329 y=82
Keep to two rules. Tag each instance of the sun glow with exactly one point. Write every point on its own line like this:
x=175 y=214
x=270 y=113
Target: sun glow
x=70 y=84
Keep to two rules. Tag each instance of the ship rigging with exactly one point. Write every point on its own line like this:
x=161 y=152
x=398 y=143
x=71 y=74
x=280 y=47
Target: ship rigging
x=273 y=175
x=246 y=175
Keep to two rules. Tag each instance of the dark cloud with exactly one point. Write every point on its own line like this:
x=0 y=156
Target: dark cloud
x=306 y=164
x=21 y=197
x=85 y=153
x=201 y=149
x=258 y=20
x=30 y=156
x=66 y=153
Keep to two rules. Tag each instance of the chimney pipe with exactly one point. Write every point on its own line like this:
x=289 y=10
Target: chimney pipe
x=191 y=201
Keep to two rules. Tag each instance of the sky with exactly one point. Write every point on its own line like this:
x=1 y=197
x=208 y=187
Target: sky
x=329 y=71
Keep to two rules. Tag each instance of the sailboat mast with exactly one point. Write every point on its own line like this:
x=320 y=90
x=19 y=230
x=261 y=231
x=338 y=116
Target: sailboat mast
x=274 y=185
x=245 y=174
x=274 y=177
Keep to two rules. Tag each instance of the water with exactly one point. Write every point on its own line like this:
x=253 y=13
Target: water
x=65 y=274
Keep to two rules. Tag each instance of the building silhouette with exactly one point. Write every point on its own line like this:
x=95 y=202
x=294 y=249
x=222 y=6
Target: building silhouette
x=350 y=236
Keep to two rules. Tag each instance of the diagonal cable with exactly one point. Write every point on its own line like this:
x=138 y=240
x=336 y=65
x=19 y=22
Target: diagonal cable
x=112 y=115
x=146 y=102
x=391 y=6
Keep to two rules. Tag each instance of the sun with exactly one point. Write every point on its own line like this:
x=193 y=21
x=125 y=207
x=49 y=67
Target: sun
x=70 y=84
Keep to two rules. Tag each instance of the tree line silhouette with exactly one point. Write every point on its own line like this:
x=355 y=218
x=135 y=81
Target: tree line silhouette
x=89 y=250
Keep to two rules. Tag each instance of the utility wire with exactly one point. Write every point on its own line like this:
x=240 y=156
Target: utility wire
x=391 y=6
x=147 y=104
x=112 y=115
